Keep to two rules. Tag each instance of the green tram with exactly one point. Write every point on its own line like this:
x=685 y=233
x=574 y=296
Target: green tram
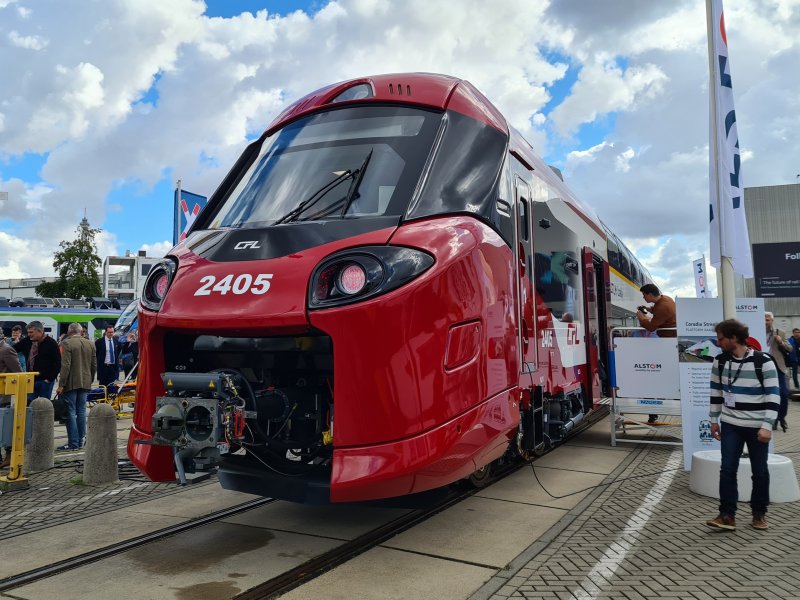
x=56 y=320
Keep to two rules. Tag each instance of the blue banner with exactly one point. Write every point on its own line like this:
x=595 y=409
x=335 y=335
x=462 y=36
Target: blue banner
x=187 y=207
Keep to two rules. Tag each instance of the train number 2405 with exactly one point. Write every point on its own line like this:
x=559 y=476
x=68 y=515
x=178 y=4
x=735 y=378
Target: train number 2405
x=240 y=285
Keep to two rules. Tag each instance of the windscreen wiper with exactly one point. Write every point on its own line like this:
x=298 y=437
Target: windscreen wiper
x=351 y=195
x=314 y=198
x=358 y=175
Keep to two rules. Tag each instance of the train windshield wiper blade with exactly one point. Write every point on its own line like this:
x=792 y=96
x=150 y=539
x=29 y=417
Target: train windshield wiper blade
x=350 y=196
x=358 y=175
x=313 y=199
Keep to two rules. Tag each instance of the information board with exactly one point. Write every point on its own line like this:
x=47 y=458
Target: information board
x=776 y=269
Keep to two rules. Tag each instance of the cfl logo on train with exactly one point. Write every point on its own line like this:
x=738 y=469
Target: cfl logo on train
x=252 y=244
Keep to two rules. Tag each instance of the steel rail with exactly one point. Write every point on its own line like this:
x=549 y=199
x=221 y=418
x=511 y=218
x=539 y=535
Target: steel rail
x=318 y=565
x=74 y=562
x=301 y=574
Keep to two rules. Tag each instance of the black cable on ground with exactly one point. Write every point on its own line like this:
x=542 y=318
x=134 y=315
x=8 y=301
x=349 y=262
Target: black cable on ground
x=591 y=487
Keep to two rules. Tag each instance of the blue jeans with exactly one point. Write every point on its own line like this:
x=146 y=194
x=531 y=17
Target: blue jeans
x=76 y=416
x=733 y=439
x=41 y=389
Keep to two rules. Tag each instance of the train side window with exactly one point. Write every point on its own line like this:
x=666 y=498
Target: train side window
x=624 y=263
x=613 y=253
x=557 y=270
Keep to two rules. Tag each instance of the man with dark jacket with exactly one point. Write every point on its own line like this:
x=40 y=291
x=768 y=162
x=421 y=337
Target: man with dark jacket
x=107 y=350
x=78 y=369
x=41 y=355
x=794 y=355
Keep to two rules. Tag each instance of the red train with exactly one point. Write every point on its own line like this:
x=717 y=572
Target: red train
x=388 y=292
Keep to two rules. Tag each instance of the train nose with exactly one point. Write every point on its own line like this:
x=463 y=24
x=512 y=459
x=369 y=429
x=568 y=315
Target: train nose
x=257 y=280
x=238 y=295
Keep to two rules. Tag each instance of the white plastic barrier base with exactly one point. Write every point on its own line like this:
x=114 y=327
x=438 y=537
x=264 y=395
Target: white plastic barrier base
x=704 y=478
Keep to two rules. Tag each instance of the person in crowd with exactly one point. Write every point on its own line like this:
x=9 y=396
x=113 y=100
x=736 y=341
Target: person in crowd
x=743 y=411
x=16 y=337
x=42 y=356
x=16 y=334
x=794 y=355
x=9 y=363
x=107 y=350
x=663 y=319
x=779 y=348
x=129 y=353
x=78 y=369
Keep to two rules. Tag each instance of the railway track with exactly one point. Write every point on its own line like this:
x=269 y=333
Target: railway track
x=298 y=575
x=9 y=583
x=317 y=566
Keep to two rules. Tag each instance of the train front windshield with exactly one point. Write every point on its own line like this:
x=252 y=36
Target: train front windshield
x=344 y=163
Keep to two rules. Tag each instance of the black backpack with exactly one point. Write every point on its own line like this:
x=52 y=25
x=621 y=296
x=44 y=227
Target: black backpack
x=759 y=359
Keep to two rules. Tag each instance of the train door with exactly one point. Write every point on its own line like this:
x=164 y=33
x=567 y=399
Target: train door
x=596 y=284
x=533 y=413
x=525 y=291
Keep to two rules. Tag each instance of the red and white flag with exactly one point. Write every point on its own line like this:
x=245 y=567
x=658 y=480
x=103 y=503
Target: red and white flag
x=728 y=224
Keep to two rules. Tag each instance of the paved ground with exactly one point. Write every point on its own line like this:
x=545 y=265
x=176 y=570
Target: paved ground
x=585 y=522
x=58 y=495
x=643 y=536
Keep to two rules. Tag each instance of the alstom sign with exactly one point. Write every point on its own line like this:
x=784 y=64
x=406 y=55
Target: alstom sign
x=647 y=366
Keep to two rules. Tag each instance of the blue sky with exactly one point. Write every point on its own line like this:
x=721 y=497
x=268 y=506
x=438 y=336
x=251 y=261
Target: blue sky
x=114 y=101
x=230 y=8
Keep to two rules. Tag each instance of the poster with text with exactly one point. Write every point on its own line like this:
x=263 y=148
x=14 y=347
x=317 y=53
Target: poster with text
x=697 y=348
x=750 y=311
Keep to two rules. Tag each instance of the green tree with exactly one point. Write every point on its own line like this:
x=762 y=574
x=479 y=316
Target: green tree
x=77 y=263
x=51 y=289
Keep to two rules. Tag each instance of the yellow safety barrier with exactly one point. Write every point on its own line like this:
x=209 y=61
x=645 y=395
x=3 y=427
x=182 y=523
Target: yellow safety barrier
x=124 y=398
x=18 y=385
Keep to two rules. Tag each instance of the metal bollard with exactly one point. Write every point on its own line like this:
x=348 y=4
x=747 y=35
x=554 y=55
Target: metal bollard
x=39 y=451
x=100 y=464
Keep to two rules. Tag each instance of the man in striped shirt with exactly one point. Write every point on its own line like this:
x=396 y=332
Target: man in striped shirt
x=747 y=409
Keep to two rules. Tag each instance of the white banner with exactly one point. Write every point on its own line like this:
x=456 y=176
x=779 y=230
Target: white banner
x=728 y=225
x=646 y=368
x=699 y=268
x=750 y=311
x=697 y=348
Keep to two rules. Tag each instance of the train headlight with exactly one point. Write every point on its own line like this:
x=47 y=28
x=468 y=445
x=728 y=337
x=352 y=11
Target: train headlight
x=352 y=279
x=157 y=283
x=360 y=273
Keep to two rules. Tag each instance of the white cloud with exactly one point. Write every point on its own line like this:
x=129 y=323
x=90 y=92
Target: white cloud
x=577 y=157
x=157 y=249
x=606 y=88
x=30 y=42
x=623 y=161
